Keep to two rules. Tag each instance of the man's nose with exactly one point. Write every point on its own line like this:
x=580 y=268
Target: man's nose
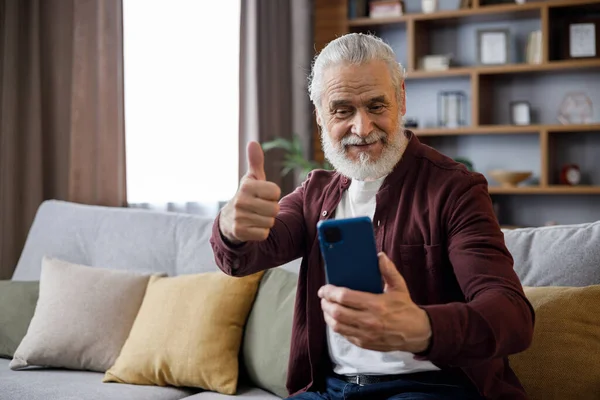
x=362 y=124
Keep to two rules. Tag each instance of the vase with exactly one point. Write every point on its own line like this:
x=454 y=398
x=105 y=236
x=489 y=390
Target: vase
x=428 y=6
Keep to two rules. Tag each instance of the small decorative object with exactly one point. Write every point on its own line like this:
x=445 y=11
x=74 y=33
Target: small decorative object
x=509 y=178
x=520 y=113
x=576 y=108
x=465 y=4
x=492 y=46
x=411 y=123
x=436 y=62
x=452 y=109
x=570 y=174
x=428 y=6
x=582 y=40
x=386 y=8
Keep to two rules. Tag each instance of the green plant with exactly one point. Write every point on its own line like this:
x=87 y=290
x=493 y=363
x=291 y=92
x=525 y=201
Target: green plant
x=294 y=158
x=467 y=163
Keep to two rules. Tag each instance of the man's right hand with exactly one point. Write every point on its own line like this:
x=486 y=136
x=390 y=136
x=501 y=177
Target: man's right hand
x=250 y=215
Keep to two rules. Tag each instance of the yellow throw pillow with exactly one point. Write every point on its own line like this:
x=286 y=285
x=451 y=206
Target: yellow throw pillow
x=188 y=333
x=562 y=361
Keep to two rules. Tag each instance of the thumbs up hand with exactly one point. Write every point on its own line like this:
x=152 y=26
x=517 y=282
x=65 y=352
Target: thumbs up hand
x=250 y=215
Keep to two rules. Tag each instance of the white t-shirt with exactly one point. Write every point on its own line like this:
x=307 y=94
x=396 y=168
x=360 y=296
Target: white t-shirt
x=358 y=201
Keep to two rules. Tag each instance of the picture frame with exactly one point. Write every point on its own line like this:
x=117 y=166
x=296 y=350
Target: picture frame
x=578 y=35
x=493 y=46
x=520 y=112
x=583 y=39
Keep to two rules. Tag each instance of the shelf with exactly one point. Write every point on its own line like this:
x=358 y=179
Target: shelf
x=504 y=130
x=482 y=13
x=554 y=189
x=553 y=66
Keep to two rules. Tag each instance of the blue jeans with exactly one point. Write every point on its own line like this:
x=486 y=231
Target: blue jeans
x=419 y=386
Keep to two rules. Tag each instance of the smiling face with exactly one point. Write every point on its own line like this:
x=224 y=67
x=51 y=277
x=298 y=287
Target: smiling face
x=361 y=120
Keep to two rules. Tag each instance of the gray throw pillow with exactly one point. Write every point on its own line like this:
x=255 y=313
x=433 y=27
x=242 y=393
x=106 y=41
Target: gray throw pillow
x=17 y=305
x=562 y=255
x=83 y=317
x=268 y=333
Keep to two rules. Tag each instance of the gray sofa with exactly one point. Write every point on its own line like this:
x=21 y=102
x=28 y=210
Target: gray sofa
x=176 y=244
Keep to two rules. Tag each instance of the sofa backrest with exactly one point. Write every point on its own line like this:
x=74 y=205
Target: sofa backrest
x=562 y=255
x=119 y=238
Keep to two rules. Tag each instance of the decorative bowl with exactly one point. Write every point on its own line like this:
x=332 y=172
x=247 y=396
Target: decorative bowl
x=509 y=178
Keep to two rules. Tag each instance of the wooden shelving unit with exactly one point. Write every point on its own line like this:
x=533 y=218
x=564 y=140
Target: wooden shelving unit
x=331 y=21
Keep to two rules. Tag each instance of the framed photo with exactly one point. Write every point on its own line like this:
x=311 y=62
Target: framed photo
x=582 y=40
x=492 y=46
x=520 y=113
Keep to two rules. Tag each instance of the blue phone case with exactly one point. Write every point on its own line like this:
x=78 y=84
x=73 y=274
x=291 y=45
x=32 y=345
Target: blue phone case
x=351 y=261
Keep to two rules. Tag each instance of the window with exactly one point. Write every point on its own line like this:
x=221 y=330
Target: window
x=181 y=99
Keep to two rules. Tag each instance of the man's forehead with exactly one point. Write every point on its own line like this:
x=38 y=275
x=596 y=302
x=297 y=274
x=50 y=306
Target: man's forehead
x=366 y=81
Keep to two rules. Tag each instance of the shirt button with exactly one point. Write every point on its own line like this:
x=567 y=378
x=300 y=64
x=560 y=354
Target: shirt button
x=378 y=222
x=324 y=213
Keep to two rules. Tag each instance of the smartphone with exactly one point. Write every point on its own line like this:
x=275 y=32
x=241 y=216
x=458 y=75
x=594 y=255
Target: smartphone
x=350 y=254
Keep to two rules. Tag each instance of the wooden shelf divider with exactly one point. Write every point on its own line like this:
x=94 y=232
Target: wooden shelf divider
x=545 y=26
x=505 y=129
x=552 y=189
x=507 y=69
x=544 y=162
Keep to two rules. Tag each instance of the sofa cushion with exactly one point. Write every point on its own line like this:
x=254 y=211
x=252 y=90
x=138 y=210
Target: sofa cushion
x=562 y=361
x=17 y=305
x=83 y=317
x=244 y=392
x=61 y=384
x=266 y=347
x=188 y=333
x=563 y=255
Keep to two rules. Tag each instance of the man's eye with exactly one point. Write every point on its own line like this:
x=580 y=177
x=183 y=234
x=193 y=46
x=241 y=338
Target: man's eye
x=378 y=108
x=342 y=113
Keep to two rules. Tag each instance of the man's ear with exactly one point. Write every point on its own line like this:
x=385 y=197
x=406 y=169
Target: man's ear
x=319 y=120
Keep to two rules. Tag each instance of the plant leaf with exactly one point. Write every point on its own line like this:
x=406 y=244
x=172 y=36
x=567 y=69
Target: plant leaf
x=278 y=143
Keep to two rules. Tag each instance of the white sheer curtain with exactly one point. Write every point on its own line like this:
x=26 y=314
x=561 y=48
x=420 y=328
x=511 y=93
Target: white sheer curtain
x=181 y=103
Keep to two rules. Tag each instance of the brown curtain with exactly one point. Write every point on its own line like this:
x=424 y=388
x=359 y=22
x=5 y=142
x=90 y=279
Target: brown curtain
x=275 y=56
x=61 y=111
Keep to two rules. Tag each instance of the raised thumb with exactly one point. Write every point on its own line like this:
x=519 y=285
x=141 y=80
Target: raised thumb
x=256 y=161
x=391 y=276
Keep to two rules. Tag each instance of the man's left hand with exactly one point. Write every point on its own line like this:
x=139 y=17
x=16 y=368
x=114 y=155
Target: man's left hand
x=382 y=322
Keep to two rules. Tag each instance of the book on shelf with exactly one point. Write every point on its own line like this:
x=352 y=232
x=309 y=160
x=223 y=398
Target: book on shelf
x=386 y=8
x=436 y=62
x=534 y=48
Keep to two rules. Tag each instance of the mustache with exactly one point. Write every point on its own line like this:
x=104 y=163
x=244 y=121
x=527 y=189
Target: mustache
x=373 y=137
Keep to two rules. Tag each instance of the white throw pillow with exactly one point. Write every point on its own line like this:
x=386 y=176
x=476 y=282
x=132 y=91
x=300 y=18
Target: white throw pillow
x=82 y=318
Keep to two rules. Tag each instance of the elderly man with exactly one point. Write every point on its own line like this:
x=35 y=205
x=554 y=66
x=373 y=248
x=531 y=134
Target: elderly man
x=453 y=309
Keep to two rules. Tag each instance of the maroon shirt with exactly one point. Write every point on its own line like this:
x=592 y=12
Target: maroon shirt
x=435 y=221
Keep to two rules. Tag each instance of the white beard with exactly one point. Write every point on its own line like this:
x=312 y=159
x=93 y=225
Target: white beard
x=364 y=168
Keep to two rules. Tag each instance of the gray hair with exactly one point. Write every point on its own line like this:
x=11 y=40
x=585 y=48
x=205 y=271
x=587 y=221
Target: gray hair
x=353 y=48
